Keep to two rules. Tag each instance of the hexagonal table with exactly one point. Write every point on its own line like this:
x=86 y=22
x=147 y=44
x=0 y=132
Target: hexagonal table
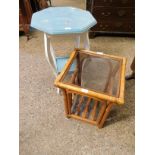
x=62 y=20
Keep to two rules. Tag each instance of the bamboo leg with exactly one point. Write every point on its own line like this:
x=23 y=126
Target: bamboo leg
x=65 y=103
x=103 y=108
x=86 y=41
x=79 y=69
x=105 y=115
x=100 y=122
x=86 y=108
x=69 y=102
x=92 y=115
x=79 y=105
x=118 y=89
x=74 y=76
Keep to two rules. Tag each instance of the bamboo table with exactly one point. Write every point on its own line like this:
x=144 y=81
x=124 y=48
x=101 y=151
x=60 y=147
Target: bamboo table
x=61 y=21
x=95 y=85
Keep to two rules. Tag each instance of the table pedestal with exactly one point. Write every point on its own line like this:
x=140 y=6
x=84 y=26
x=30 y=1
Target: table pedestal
x=57 y=63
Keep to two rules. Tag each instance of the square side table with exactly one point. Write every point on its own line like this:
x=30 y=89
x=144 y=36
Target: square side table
x=95 y=85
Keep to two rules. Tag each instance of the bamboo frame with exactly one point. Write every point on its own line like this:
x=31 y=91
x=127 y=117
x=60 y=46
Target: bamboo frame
x=69 y=103
x=106 y=101
x=118 y=100
x=101 y=112
x=83 y=119
x=74 y=76
x=105 y=115
x=86 y=108
x=94 y=110
x=79 y=105
x=65 y=102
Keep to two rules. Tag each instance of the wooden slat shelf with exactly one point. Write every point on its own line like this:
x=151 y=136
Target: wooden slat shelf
x=85 y=108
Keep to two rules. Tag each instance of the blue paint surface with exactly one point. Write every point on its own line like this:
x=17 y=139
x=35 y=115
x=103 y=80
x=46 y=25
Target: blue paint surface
x=61 y=61
x=62 y=20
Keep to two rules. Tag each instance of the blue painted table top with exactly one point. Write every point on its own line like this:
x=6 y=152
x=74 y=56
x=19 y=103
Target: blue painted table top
x=62 y=20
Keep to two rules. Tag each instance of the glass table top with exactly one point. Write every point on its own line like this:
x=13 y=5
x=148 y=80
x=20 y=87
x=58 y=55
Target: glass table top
x=62 y=20
x=96 y=72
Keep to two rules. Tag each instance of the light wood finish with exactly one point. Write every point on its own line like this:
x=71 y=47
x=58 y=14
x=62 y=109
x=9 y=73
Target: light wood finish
x=94 y=110
x=119 y=100
x=83 y=119
x=79 y=105
x=86 y=108
x=118 y=90
x=74 y=76
x=105 y=115
x=100 y=54
x=90 y=93
x=95 y=98
x=122 y=82
x=97 y=113
x=69 y=102
x=101 y=112
x=66 y=68
x=65 y=102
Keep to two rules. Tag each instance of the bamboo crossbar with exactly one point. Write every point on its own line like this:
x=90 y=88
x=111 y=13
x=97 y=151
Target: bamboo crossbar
x=105 y=115
x=93 y=113
x=74 y=75
x=83 y=119
x=66 y=67
x=103 y=108
x=92 y=53
x=84 y=113
x=90 y=93
x=79 y=105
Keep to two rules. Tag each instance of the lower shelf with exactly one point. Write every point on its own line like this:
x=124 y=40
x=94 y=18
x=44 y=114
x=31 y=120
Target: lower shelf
x=85 y=108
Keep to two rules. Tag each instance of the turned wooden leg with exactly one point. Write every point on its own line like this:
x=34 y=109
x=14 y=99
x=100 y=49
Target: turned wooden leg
x=105 y=115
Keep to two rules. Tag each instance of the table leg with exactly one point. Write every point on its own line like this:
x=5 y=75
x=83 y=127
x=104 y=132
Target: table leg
x=105 y=115
x=65 y=102
x=50 y=54
x=77 y=41
x=86 y=41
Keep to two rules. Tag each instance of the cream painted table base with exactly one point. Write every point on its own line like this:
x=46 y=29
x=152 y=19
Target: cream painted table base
x=50 y=52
